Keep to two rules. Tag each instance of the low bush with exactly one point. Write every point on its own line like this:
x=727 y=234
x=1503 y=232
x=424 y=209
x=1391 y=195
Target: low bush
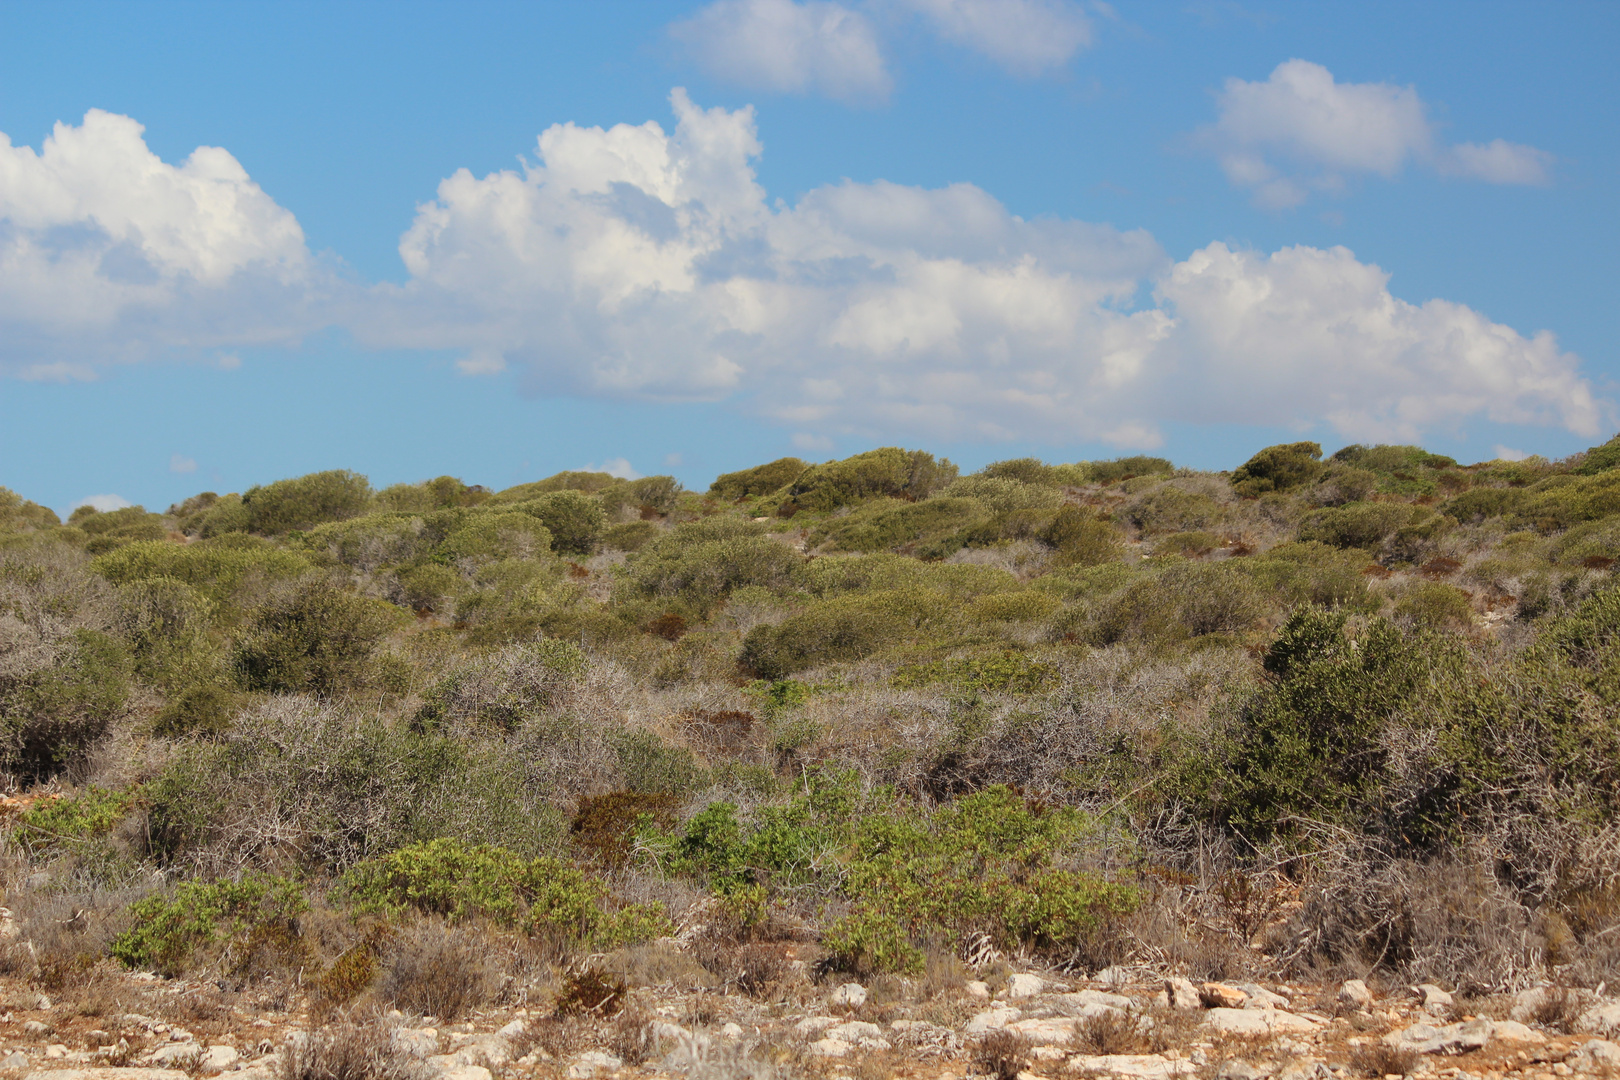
x=306 y=501
x=760 y=480
x=574 y=520
x=504 y=689
x=1170 y=509
x=430 y=969
x=171 y=930
x=445 y=878
x=890 y=472
x=312 y=638
x=54 y=712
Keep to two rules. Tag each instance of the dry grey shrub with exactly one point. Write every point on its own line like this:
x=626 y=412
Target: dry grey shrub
x=350 y=1051
x=1025 y=559
x=431 y=969
x=885 y=734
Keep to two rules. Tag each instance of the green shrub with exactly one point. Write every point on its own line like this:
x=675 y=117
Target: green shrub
x=312 y=638
x=1435 y=605
x=702 y=563
x=650 y=766
x=167 y=626
x=1112 y=472
x=54 y=825
x=429 y=587
x=306 y=501
x=1599 y=458
x=52 y=716
x=169 y=930
x=440 y=493
x=760 y=480
x=1358 y=525
x=506 y=688
x=1024 y=471
x=1169 y=509
x=892 y=472
x=214 y=567
x=630 y=536
x=650 y=495
x=19 y=515
x=1080 y=537
x=1391 y=459
x=1024 y=606
x=885 y=524
x=115 y=528
x=494 y=534
x=574 y=519
x=223 y=517
x=204 y=710
x=443 y=877
x=1010 y=673
x=1187 y=600
x=588 y=482
x=1279 y=468
x=1005 y=495
x=845 y=628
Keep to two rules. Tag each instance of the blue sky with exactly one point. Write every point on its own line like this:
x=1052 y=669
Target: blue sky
x=983 y=227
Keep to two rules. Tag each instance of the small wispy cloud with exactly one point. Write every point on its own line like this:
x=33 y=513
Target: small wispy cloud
x=103 y=503
x=1300 y=132
x=618 y=466
x=179 y=463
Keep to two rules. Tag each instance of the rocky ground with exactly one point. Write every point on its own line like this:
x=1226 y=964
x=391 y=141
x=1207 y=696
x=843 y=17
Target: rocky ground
x=114 y=1026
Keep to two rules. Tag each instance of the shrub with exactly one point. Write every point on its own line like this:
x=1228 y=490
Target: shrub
x=204 y=711
x=17 y=514
x=349 y=1051
x=506 y=688
x=215 y=568
x=1169 y=509
x=53 y=715
x=493 y=534
x=1024 y=471
x=588 y=482
x=1600 y=458
x=843 y=629
x=605 y=825
x=1189 y=599
x=1278 y=468
x=1005 y=495
x=1435 y=605
x=1112 y=472
x=166 y=625
x=760 y=480
x=169 y=929
x=54 y=825
x=892 y=472
x=700 y=568
x=306 y=501
x=649 y=496
x=1079 y=537
x=440 y=493
x=115 y=528
x=1391 y=459
x=431 y=969
x=628 y=536
x=575 y=520
x=1358 y=525
x=1009 y=673
x=886 y=524
x=443 y=877
x=314 y=638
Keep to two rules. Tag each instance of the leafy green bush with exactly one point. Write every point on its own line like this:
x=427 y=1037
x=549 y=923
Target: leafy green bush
x=443 y=877
x=1112 y=472
x=440 y=493
x=1004 y=495
x=588 y=482
x=54 y=714
x=167 y=625
x=306 y=501
x=1189 y=599
x=169 y=930
x=1600 y=458
x=53 y=825
x=629 y=536
x=494 y=534
x=214 y=567
x=1279 y=468
x=760 y=480
x=19 y=515
x=1169 y=509
x=574 y=519
x=703 y=562
x=1080 y=537
x=886 y=524
x=1358 y=525
x=892 y=472
x=203 y=710
x=1010 y=673
x=312 y=638
x=1436 y=605
x=115 y=528
x=223 y=517
x=1024 y=471
x=1391 y=459
x=844 y=628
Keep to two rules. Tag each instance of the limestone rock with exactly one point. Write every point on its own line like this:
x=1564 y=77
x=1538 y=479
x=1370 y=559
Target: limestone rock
x=833 y=1048
x=1046 y=1032
x=1354 y=993
x=1595 y=1056
x=815 y=1025
x=584 y=1065
x=1451 y=1039
x=1261 y=998
x=14 y=1060
x=854 y=1031
x=478 y=1072
x=1132 y=1066
x=850 y=995
x=1221 y=996
x=1513 y=1031
x=1601 y=1019
x=731 y=1031
x=219 y=1058
x=35 y=1029
x=1084 y=999
x=1182 y=994
x=1024 y=985
x=419 y=1041
x=991 y=1020
x=1239 y=1070
x=1436 y=1002
x=107 y=1073
x=1257 y=1022
x=977 y=989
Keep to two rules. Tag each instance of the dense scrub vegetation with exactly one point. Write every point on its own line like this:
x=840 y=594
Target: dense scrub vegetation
x=1356 y=713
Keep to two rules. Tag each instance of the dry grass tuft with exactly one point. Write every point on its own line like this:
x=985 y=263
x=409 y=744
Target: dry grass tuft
x=1001 y=1054
x=349 y=1051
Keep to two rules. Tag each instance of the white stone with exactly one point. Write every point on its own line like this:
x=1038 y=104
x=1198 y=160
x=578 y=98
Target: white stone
x=1354 y=993
x=34 y=1028
x=1513 y=1031
x=584 y=1065
x=1133 y=1066
x=1601 y=1019
x=834 y=1048
x=514 y=1030
x=991 y=1020
x=1261 y=998
x=731 y=1031
x=854 y=1031
x=1256 y=1022
x=1182 y=994
x=977 y=989
x=815 y=1025
x=478 y=1072
x=663 y=1029
x=56 y=1050
x=219 y=1058
x=1450 y=1039
x=850 y=995
x=174 y=1053
x=1436 y=1002
x=105 y=1073
x=1082 y=998
x=14 y=1060
x=1045 y=1032
x=1024 y=985
x=1595 y=1056
x=419 y=1041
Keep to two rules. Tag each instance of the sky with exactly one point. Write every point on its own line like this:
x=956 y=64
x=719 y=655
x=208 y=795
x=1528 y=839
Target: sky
x=243 y=241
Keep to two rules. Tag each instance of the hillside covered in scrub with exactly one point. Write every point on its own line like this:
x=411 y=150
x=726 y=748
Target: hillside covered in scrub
x=868 y=719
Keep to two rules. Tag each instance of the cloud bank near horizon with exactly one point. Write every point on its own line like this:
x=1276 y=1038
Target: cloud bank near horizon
x=639 y=263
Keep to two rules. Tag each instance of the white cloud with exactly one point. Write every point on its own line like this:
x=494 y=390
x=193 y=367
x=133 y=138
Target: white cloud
x=618 y=466
x=103 y=503
x=640 y=263
x=1507 y=453
x=632 y=262
x=108 y=253
x=1300 y=130
x=788 y=47
x=1027 y=37
x=179 y=463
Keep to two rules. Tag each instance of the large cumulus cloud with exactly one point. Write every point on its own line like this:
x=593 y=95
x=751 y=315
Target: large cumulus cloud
x=107 y=253
x=636 y=262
